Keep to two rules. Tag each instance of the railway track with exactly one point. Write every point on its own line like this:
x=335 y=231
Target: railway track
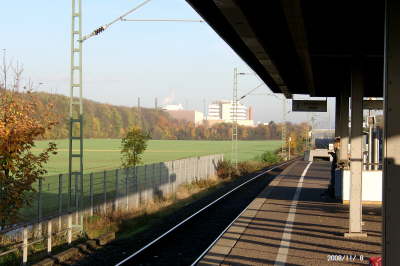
x=188 y=241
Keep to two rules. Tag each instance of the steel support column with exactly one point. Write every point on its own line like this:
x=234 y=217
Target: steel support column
x=376 y=150
x=337 y=117
x=357 y=90
x=370 y=144
x=344 y=126
x=391 y=140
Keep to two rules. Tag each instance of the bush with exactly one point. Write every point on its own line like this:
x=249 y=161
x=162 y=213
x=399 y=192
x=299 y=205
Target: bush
x=269 y=157
x=226 y=169
x=11 y=259
x=249 y=167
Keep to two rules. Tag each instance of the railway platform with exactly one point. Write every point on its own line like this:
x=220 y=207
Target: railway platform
x=292 y=222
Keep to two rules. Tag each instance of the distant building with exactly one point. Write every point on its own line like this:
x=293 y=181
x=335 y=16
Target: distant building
x=250 y=113
x=222 y=112
x=171 y=107
x=193 y=116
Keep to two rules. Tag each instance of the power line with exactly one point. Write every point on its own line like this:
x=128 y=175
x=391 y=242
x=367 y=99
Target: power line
x=245 y=95
x=163 y=20
x=120 y=18
x=76 y=83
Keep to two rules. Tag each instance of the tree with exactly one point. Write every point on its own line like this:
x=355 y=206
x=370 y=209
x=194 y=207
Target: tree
x=133 y=146
x=107 y=121
x=21 y=123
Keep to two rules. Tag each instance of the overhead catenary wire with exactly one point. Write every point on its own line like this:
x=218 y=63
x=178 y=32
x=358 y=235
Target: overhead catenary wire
x=269 y=93
x=120 y=18
x=163 y=20
x=284 y=140
x=248 y=93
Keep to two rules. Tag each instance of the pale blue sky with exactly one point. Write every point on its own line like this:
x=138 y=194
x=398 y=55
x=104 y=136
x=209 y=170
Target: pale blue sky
x=131 y=59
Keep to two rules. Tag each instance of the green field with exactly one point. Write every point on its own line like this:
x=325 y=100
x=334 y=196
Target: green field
x=104 y=154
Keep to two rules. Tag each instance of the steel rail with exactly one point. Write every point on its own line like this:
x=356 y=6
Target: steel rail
x=199 y=211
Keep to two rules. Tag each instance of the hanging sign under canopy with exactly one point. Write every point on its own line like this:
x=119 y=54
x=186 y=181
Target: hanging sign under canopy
x=309 y=106
x=373 y=104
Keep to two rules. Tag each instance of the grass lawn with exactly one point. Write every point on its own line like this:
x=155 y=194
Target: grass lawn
x=104 y=154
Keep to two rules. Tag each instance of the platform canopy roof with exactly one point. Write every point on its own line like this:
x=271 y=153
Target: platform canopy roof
x=303 y=47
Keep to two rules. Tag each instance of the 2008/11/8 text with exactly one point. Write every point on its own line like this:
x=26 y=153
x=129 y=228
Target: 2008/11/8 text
x=345 y=258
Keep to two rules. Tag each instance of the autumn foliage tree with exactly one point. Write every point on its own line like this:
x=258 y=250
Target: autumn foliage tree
x=298 y=135
x=133 y=146
x=20 y=124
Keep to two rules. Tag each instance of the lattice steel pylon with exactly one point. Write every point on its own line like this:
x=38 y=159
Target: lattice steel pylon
x=76 y=108
x=234 y=119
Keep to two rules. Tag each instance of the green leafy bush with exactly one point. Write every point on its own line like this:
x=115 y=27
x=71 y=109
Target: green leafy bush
x=269 y=157
x=11 y=259
x=133 y=146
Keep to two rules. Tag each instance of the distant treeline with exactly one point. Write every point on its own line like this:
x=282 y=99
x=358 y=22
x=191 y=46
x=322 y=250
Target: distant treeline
x=110 y=121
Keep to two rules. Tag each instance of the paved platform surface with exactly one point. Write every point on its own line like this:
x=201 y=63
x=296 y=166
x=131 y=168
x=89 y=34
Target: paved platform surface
x=290 y=223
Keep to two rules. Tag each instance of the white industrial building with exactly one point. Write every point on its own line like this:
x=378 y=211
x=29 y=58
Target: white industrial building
x=172 y=107
x=223 y=111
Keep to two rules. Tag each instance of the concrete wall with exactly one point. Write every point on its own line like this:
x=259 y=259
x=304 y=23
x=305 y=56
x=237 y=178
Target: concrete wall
x=309 y=155
x=371 y=186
